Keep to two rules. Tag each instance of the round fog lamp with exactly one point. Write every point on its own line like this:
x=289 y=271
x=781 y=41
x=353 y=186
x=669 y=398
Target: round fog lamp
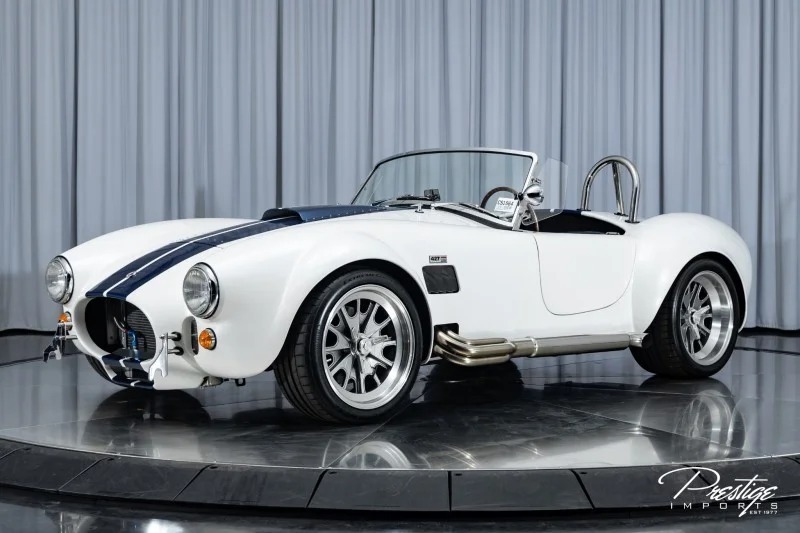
x=207 y=339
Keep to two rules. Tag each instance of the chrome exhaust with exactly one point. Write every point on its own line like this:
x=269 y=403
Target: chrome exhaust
x=492 y=351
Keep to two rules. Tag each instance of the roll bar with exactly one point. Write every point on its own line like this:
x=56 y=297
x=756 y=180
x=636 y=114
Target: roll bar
x=615 y=161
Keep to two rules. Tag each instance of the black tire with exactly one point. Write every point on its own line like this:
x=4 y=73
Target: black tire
x=663 y=352
x=301 y=367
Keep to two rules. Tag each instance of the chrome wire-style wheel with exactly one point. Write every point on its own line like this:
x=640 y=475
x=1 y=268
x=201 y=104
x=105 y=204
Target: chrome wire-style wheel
x=706 y=317
x=367 y=346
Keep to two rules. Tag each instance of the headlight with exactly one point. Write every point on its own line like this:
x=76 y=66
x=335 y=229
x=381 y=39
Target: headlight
x=58 y=278
x=201 y=290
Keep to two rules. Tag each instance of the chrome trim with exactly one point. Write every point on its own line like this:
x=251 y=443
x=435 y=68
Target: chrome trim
x=55 y=350
x=214 y=282
x=614 y=161
x=121 y=326
x=210 y=381
x=479 y=352
x=529 y=198
x=447 y=150
x=637 y=340
x=159 y=362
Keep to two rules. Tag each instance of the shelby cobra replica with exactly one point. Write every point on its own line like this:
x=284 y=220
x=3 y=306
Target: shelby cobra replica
x=438 y=256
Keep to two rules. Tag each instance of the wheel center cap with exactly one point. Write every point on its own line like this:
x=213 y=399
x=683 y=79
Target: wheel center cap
x=363 y=346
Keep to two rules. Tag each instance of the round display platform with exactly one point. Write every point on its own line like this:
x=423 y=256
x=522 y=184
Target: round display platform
x=577 y=432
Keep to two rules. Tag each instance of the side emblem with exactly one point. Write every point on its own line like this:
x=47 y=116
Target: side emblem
x=437 y=259
x=130 y=275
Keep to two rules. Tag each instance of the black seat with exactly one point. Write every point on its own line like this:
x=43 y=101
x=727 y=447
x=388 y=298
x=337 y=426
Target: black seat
x=570 y=221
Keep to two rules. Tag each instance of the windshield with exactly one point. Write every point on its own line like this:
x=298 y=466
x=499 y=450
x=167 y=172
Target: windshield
x=553 y=175
x=448 y=176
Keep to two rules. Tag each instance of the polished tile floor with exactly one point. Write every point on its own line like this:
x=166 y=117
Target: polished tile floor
x=573 y=411
x=26 y=512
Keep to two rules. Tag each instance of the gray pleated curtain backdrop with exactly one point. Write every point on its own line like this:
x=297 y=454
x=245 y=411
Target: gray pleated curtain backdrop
x=116 y=113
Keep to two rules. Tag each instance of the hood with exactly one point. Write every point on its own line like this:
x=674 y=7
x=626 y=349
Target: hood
x=141 y=270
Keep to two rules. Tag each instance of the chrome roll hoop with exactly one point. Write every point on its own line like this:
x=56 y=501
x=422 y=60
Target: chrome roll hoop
x=615 y=161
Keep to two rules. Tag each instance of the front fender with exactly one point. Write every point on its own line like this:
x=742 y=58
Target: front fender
x=263 y=287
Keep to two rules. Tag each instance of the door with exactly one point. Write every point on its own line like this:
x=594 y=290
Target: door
x=583 y=272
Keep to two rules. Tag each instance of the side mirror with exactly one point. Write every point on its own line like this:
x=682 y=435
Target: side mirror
x=529 y=198
x=534 y=195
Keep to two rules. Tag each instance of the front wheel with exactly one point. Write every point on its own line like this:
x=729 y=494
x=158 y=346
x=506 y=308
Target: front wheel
x=354 y=350
x=695 y=330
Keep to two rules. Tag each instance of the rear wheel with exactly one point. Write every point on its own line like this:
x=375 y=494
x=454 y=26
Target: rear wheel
x=695 y=330
x=354 y=349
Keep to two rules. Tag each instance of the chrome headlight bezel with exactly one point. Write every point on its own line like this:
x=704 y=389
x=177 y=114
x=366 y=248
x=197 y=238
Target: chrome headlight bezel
x=62 y=296
x=211 y=299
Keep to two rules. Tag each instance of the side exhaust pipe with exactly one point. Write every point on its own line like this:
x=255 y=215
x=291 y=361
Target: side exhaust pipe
x=492 y=351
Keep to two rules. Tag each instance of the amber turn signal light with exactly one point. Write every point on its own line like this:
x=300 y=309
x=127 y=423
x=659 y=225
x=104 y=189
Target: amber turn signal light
x=65 y=318
x=207 y=339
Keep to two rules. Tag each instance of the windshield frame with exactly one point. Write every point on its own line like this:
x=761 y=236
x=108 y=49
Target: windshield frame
x=529 y=179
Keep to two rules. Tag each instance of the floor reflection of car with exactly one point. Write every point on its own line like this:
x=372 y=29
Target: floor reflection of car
x=176 y=425
x=69 y=517
x=467 y=418
x=132 y=423
x=706 y=412
x=666 y=422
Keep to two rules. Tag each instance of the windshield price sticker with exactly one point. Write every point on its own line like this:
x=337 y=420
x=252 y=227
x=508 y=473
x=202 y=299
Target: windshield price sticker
x=505 y=205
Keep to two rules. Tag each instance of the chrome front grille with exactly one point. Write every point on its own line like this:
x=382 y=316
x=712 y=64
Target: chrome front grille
x=104 y=316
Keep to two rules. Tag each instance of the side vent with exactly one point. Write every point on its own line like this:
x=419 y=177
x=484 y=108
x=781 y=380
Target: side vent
x=440 y=279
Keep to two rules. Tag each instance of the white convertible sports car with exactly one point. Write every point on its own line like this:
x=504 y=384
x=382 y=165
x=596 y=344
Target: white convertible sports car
x=438 y=256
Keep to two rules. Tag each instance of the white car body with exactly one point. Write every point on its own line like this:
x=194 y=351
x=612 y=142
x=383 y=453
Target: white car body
x=512 y=284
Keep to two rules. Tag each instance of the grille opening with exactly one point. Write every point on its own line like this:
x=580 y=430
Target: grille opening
x=100 y=314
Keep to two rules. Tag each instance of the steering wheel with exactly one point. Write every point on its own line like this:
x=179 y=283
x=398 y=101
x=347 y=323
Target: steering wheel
x=495 y=191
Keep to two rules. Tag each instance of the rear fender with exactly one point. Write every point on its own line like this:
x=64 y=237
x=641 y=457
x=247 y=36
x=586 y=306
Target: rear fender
x=666 y=244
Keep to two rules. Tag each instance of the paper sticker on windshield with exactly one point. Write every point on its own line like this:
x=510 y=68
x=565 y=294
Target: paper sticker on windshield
x=505 y=205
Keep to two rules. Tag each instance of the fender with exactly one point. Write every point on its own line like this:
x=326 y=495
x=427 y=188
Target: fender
x=263 y=288
x=666 y=244
x=310 y=271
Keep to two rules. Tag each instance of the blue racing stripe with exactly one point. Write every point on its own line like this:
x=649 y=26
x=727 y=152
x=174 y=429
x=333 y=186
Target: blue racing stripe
x=132 y=283
x=127 y=279
x=139 y=272
x=135 y=265
x=120 y=274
